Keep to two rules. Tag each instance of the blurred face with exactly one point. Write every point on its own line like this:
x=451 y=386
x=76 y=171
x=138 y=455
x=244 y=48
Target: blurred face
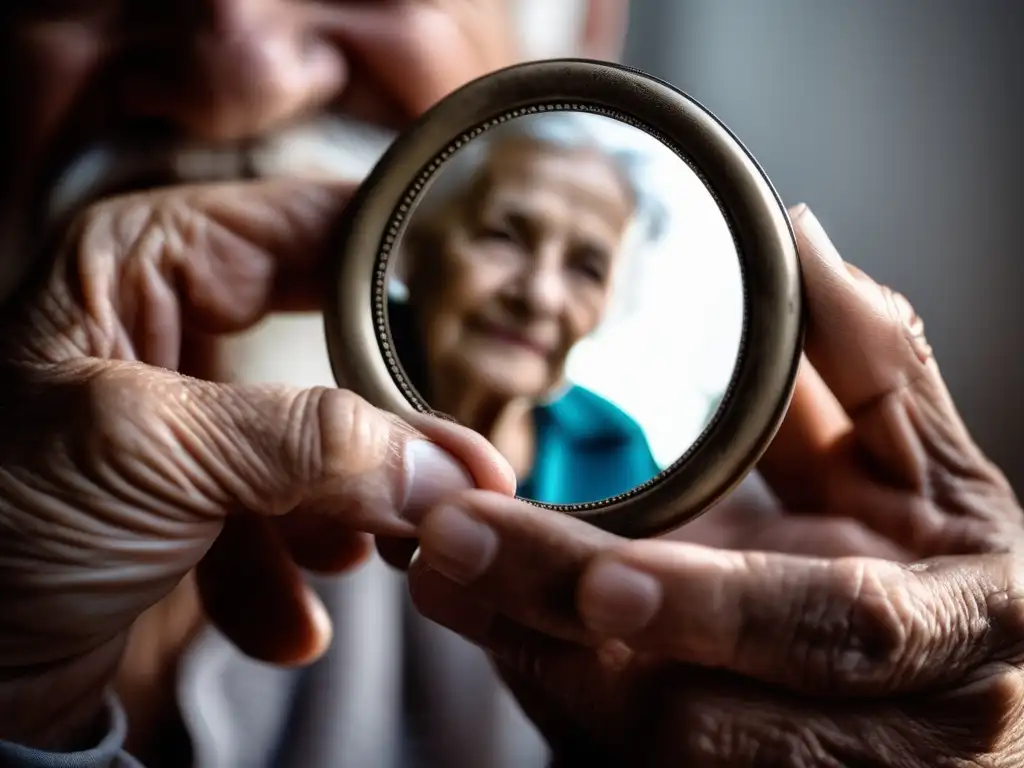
x=522 y=268
x=190 y=90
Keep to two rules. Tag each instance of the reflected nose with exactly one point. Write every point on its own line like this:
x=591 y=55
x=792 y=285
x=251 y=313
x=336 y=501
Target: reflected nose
x=542 y=289
x=231 y=69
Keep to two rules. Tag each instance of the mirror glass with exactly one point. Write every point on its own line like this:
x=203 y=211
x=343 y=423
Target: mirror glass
x=567 y=286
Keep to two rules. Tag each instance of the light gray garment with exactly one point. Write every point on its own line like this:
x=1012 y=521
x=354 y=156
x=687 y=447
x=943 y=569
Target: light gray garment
x=348 y=710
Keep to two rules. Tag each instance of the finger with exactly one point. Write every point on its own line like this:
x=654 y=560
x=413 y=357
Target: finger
x=209 y=258
x=545 y=674
x=814 y=535
x=851 y=626
x=798 y=463
x=752 y=522
x=322 y=544
x=869 y=347
x=397 y=553
x=818 y=536
x=591 y=702
x=520 y=560
x=214 y=449
x=449 y=604
x=254 y=593
x=658 y=713
x=847 y=627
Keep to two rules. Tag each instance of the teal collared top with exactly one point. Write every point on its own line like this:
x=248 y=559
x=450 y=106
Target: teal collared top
x=587 y=450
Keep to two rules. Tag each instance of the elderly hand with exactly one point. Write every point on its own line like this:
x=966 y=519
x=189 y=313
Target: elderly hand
x=672 y=653
x=119 y=475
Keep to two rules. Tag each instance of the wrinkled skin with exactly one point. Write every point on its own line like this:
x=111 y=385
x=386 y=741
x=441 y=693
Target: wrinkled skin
x=797 y=639
x=120 y=476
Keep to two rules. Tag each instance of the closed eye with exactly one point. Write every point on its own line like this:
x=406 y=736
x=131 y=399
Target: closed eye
x=593 y=263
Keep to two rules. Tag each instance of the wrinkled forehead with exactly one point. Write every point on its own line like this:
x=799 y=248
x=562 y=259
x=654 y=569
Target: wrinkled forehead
x=584 y=186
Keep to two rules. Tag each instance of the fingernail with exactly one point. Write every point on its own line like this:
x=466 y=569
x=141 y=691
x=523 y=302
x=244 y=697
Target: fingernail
x=618 y=601
x=807 y=223
x=457 y=545
x=431 y=473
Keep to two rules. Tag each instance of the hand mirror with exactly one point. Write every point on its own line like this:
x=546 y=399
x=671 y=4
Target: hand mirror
x=584 y=265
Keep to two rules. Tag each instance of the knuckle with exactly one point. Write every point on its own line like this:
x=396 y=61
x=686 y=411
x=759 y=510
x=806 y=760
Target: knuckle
x=109 y=230
x=300 y=442
x=354 y=436
x=237 y=438
x=121 y=403
x=856 y=626
x=1004 y=609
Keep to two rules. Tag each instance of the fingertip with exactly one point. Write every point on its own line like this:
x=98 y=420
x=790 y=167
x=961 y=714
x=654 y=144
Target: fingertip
x=320 y=630
x=255 y=594
x=431 y=472
x=489 y=470
x=810 y=231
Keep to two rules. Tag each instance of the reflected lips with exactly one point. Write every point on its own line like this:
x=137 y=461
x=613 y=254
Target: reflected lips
x=515 y=338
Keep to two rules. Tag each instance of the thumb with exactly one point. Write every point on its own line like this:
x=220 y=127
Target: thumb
x=270 y=449
x=168 y=459
x=331 y=456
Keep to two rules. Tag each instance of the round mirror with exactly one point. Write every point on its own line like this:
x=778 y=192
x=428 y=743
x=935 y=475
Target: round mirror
x=583 y=265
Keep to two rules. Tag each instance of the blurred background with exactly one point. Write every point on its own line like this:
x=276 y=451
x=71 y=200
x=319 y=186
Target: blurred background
x=900 y=124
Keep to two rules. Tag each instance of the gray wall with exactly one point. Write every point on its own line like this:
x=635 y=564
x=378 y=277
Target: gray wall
x=898 y=122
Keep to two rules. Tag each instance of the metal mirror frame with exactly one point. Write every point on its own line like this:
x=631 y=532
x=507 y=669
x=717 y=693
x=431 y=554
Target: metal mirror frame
x=772 y=341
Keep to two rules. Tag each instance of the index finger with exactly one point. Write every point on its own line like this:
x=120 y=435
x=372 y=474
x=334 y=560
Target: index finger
x=796 y=463
x=228 y=253
x=849 y=626
x=875 y=366
x=845 y=627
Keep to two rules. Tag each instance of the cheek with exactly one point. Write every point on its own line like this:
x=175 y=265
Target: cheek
x=457 y=286
x=474 y=278
x=585 y=311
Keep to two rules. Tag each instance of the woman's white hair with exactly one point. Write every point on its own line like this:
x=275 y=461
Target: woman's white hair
x=626 y=146
x=638 y=156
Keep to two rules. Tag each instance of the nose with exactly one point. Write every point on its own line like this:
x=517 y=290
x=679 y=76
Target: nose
x=541 y=288
x=231 y=69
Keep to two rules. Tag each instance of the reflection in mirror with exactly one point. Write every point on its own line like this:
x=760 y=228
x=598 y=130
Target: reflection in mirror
x=569 y=288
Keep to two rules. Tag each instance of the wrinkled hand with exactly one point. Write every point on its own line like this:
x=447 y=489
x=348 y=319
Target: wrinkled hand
x=118 y=475
x=671 y=653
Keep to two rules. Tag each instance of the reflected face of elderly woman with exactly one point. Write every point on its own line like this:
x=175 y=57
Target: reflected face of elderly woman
x=519 y=267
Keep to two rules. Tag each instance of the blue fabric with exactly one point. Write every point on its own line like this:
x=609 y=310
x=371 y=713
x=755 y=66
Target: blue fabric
x=109 y=753
x=587 y=450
